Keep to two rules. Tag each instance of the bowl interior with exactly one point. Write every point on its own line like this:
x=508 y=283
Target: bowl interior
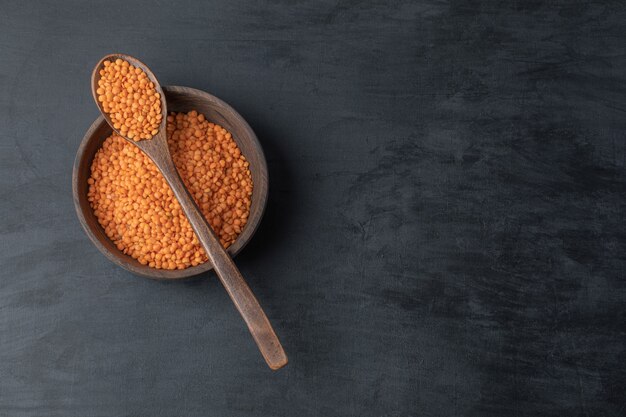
x=179 y=99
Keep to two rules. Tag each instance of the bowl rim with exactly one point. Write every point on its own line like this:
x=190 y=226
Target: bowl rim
x=163 y=274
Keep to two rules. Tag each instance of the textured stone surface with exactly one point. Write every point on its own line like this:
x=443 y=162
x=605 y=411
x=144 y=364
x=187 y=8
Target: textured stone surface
x=445 y=232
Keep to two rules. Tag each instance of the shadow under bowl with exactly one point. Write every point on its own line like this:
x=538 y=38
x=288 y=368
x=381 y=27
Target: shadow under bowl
x=179 y=99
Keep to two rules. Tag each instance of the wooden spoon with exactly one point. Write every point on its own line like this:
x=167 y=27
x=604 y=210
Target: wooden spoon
x=158 y=151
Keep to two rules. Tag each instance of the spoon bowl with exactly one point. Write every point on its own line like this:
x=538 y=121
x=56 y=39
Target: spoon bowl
x=95 y=77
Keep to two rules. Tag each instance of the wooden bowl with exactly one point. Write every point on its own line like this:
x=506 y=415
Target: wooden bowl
x=179 y=99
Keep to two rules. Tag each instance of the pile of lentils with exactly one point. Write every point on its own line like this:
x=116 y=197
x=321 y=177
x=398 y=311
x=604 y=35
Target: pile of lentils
x=138 y=210
x=129 y=196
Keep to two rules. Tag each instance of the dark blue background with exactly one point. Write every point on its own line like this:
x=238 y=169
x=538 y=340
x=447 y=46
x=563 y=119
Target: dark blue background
x=445 y=232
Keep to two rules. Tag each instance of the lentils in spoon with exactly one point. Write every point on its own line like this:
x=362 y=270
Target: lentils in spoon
x=130 y=99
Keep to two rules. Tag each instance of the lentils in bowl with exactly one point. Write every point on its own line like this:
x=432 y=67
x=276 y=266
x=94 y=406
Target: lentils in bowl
x=127 y=209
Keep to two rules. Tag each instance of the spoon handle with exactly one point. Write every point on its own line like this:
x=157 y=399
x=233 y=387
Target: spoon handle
x=226 y=270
